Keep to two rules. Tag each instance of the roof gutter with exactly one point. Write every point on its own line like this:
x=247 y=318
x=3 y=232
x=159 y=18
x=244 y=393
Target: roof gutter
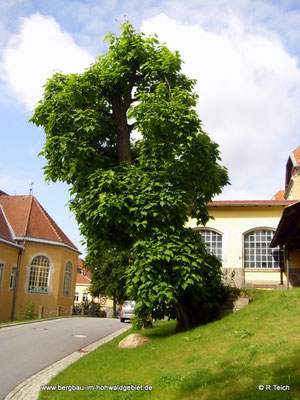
x=9 y=243
x=44 y=241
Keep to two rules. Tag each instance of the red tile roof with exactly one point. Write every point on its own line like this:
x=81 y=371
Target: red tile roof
x=296 y=154
x=279 y=195
x=82 y=279
x=83 y=269
x=83 y=275
x=4 y=229
x=28 y=219
x=3 y=193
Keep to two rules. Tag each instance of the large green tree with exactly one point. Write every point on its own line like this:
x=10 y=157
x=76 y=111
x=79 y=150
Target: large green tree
x=108 y=278
x=137 y=195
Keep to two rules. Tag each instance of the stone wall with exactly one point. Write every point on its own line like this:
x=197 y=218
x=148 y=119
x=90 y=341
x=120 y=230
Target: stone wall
x=234 y=303
x=234 y=277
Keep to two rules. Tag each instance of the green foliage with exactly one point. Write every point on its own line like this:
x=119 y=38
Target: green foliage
x=168 y=264
x=136 y=195
x=108 y=278
x=28 y=313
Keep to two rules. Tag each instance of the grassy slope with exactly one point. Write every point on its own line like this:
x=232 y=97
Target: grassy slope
x=226 y=359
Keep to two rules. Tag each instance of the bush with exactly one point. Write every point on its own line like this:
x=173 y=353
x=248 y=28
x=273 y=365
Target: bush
x=28 y=314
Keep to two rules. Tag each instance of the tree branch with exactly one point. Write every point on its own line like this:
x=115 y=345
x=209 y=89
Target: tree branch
x=169 y=87
x=127 y=99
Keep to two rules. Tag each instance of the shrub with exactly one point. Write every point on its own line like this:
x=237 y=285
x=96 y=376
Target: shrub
x=28 y=314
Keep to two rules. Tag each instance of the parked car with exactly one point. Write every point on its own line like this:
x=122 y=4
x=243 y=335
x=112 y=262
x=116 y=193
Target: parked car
x=127 y=310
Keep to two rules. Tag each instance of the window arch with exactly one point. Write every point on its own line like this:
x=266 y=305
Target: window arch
x=39 y=275
x=258 y=254
x=213 y=241
x=67 y=279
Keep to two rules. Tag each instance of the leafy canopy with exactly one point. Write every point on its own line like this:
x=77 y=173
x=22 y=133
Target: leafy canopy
x=108 y=278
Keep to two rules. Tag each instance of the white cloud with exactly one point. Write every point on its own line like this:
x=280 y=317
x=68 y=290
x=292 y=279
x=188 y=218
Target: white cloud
x=249 y=88
x=35 y=53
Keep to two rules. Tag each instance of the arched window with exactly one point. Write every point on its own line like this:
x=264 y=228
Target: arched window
x=258 y=254
x=39 y=275
x=67 y=279
x=213 y=242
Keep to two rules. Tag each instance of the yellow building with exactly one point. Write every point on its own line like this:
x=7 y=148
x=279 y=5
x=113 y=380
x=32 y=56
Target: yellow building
x=241 y=232
x=38 y=263
x=83 y=283
x=288 y=235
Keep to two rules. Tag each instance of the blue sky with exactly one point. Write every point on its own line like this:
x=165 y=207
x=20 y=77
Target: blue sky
x=245 y=55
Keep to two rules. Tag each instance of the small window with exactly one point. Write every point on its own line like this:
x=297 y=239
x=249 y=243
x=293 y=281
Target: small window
x=85 y=297
x=76 y=297
x=67 y=279
x=213 y=242
x=1 y=274
x=12 y=278
x=39 y=275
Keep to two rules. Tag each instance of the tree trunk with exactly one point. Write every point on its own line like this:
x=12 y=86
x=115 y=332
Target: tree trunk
x=184 y=315
x=147 y=323
x=123 y=141
x=192 y=313
x=123 y=131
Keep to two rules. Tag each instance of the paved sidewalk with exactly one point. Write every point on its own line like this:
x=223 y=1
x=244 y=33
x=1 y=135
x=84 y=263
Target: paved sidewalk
x=30 y=388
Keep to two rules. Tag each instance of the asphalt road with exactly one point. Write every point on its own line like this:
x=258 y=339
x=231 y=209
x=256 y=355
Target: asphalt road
x=27 y=349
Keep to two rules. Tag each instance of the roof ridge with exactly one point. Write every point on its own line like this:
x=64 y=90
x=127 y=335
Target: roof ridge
x=11 y=231
x=17 y=195
x=28 y=216
x=44 y=212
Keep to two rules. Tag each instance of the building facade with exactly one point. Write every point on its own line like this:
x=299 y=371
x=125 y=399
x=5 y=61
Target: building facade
x=83 y=283
x=38 y=263
x=241 y=232
x=82 y=290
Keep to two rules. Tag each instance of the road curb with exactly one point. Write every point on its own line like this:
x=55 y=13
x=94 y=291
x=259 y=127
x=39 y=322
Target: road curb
x=32 y=322
x=30 y=388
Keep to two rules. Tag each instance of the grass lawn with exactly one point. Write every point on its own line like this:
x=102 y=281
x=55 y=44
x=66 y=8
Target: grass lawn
x=226 y=359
